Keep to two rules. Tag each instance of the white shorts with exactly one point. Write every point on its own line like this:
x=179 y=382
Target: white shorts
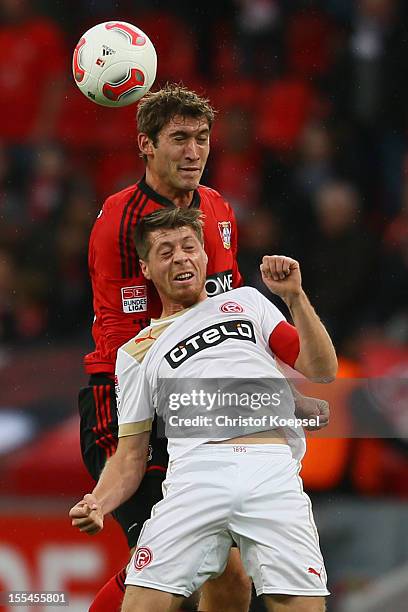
x=219 y=494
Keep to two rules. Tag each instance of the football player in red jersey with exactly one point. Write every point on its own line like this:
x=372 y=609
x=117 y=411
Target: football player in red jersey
x=174 y=127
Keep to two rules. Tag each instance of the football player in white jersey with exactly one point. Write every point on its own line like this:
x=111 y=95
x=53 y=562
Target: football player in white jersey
x=232 y=477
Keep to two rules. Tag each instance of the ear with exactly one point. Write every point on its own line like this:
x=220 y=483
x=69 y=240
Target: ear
x=145 y=269
x=145 y=144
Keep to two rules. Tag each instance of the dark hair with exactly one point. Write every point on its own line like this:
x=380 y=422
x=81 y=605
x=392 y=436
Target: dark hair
x=157 y=108
x=166 y=218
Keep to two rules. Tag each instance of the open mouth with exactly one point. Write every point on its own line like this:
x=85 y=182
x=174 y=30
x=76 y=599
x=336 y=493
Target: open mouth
x=184 y=276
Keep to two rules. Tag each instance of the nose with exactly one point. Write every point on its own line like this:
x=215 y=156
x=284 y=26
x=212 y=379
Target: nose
x=179 y=255
x=191 y=150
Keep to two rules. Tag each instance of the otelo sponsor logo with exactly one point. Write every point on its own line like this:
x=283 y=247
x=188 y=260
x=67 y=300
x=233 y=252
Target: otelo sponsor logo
x=210 y=336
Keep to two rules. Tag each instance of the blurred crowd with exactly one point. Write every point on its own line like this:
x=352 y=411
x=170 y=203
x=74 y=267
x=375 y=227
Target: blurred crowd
x=310 y=148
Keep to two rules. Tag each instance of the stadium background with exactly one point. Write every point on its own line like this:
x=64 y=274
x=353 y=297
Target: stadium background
x=310 y=148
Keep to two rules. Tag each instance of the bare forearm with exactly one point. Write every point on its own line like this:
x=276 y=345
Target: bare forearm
x=317 y=358
x=120 y=478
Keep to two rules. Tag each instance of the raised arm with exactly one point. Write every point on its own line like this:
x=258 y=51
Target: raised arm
x=317 y=358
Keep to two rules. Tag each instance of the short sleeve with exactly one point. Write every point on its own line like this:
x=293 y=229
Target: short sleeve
x=270 y=315
x=281 y=337
x=133 y=395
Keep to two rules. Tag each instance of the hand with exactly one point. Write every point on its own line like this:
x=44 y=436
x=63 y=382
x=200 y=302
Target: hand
x=87 y=515
x=308 y=407
x=281 y=275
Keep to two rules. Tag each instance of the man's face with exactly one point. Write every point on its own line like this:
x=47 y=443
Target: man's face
x=179 y=157
x=177 y=265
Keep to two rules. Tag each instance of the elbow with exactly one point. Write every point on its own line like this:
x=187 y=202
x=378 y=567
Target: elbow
x=334 y=367
x=327 y=373
x=323 y=372
x=325 y=380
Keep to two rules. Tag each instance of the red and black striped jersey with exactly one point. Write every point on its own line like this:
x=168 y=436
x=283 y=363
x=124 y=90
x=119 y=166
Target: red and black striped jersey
x=124 y=302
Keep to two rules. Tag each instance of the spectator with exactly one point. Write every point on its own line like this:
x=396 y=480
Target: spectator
x=237 y=156
x=12 y=213
x=8 y=331
x=339 y=268
x=370 y=96
x=392 y=305
x=32 y=68
x=315 y=164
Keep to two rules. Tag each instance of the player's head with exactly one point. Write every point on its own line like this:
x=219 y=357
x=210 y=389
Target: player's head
x=169 y=243
x=174 y=127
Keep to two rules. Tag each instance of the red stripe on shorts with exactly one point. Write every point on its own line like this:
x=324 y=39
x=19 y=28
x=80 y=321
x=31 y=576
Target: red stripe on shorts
x=100 y=417
x=160 y=468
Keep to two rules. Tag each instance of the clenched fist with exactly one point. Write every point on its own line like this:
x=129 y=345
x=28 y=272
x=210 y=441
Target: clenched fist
x=87 y=515
x=281 y=275
x=309 y=407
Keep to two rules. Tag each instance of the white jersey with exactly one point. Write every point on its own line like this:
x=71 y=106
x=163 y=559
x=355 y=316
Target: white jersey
x=222 y=338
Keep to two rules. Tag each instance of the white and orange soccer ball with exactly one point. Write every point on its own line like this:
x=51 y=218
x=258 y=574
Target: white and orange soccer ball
x=114 y=64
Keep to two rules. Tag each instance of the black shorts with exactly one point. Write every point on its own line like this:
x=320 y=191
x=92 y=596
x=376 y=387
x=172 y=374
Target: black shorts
x=99 y=438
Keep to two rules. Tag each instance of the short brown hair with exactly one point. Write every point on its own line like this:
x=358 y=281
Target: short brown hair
x=166 y=218
x=157 y=108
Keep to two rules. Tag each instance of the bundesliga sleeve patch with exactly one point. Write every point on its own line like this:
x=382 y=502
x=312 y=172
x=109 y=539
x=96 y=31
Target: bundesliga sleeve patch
x=134 y=299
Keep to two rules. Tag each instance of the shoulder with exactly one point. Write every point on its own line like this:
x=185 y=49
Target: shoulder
x=120 y=199
x=244 y=292
x=135 y=349
x=211 y=197
x=237 y=300
x=208 y=192
x=252 y=297
x=138 y=347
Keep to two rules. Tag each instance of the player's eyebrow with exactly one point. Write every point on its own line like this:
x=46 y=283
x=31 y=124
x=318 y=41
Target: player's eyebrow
x=201 y=132
x=165 y=245
x=170 y=243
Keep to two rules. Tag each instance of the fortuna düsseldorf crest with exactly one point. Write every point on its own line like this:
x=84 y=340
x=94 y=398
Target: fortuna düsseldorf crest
x=231 y=307
x=225 y=232
x=143 y=556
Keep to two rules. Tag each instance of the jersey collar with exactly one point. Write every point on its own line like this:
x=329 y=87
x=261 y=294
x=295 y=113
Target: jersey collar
x=153 y=195
x=169 y=318
x=179 y=313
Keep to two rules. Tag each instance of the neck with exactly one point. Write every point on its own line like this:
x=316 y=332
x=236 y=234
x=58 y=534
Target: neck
x=180 y=198
x=171 y=308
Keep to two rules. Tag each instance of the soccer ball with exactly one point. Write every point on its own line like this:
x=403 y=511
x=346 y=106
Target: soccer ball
x=114 y=63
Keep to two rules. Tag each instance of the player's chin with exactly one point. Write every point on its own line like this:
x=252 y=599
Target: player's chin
x=186 y=295
x=189 y=183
